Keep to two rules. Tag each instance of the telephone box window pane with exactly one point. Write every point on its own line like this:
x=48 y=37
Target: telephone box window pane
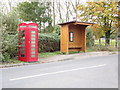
x=33 y=35
x=32 y=31
x=32 y=38
x=23 y=35
x=71 y=37
x=19 y=45
x=22 y=45
x=22 y=52
x=22 y=41
x=22 y=49
x=32 y=55
x=32 y=48
x=32 y=26
x=22 y=26
x=32 y=45
x=23 y=31
x=32 y=41
x=22 y=55
x=32 y=52
x=23 y=38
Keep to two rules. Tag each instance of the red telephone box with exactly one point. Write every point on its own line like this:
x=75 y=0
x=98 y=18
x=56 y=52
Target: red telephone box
x=28 y=42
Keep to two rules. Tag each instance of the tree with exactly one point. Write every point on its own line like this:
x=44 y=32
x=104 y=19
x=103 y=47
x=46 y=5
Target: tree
x=74 y=8
x=8 y=28
x=59 y=7
x=98 y=32
x=89 y=37
x=10 y=22
x=118 y=20
x=53 y=9
x=103 y=13
x=34 y=11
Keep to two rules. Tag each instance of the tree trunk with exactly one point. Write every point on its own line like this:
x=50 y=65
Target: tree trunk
x=60 y=14
x=100 y=41
x=116 y=43
x=54 y=17
x=107 y=38
x=40 y=26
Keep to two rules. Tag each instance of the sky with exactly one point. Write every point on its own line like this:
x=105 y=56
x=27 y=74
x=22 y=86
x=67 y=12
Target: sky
x=18 y=1
x=15 y=2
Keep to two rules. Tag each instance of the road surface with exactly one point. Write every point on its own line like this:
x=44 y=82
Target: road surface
x=94 y=72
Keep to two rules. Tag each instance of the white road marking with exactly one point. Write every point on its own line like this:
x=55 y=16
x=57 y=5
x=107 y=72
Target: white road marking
x=52 y=73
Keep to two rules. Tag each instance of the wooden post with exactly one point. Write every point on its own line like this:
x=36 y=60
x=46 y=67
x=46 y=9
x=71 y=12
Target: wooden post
x=84 y=40
x=64 y=39
x=83 y=31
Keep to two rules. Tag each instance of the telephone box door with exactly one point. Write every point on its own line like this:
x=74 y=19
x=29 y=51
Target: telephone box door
x=33 y=42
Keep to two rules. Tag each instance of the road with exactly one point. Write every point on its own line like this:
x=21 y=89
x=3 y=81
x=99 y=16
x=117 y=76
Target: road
x=94 y=72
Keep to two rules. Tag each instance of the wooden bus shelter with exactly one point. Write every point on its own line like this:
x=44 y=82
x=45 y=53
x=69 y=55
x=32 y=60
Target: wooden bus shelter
x=73 y=36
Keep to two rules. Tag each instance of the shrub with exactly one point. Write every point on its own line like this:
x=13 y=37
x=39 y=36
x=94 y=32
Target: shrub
x=9 y=47
x=103 y=48
x=89 y=37
x=48 y=42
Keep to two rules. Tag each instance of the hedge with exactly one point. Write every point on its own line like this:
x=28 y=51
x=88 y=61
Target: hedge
x=46 y=43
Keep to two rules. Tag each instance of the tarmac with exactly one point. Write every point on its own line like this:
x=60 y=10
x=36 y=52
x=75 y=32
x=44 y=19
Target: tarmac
x=61 y=58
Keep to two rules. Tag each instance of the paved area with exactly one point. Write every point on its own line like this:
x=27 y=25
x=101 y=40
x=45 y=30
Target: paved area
x=62 y=58
x=78 y=72
x=78 y=55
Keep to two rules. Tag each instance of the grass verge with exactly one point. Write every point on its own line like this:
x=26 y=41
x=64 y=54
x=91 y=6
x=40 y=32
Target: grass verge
x=48 y=54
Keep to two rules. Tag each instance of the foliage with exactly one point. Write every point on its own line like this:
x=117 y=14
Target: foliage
x=119 y=31
x=9 y=47
x=112 y=42
x=103 y=48
x=8 y=38
x=89 y=37
x=48 y=42
x=104 y=13
x=53 y=29
x=10 y=23
x=37 y=12
x=49 y=29
x=97 y=31
x=56 y=30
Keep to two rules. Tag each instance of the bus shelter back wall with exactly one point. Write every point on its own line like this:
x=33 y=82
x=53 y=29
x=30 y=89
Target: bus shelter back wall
x=77 y=38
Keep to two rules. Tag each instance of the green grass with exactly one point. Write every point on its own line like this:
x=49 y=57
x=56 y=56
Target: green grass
x=89 y=49
x=48 y=54
x=112 y=42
